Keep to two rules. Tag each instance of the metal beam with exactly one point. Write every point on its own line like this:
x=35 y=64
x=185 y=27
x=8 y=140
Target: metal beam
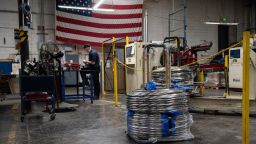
x=24 y=46
x=115 y=72
x=246 y=89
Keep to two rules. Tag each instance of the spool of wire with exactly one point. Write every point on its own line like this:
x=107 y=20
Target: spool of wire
x=149 y=127
x=180 y=76
x=158 y=116
x=164 y=100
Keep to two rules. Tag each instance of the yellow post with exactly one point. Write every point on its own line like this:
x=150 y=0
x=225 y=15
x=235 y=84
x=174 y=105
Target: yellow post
x=246 y=89
x=103 y=70
x=125 y=68
x=201 y=77
x=254 y=40
x=226 y=77
x=115 y=72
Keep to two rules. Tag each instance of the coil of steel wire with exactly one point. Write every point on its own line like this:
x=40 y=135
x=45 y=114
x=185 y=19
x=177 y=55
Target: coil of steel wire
x=182 y=76
x=163 y=100
x=149 y=127
x=158 y=115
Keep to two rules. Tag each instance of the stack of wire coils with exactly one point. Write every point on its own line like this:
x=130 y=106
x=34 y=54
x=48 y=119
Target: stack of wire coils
x=179 y=76
x=158 y=116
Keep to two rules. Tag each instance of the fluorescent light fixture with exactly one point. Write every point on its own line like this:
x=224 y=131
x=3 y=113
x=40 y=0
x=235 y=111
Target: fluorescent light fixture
x=220 y=23
x=85 y=8
x=100 y=9
x=74 y=7
x=98 y=4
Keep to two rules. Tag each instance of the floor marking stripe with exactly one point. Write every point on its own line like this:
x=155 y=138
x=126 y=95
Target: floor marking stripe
x=12 y=134
x=15 y=106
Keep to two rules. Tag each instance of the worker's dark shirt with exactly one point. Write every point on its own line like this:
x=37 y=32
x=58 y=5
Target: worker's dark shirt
x=94 y=56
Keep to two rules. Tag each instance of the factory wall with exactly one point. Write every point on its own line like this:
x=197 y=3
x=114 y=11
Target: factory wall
x=198 y=11
x=9 y=21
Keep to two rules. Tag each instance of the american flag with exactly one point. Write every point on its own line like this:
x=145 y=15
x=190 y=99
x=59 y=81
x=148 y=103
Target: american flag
x=93 y=27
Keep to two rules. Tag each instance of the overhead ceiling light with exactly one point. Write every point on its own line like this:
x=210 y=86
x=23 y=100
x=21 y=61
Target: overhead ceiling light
x=74 y=7
x=98 y=4
x=85 y=8
x=220 y=23
x=100 y=9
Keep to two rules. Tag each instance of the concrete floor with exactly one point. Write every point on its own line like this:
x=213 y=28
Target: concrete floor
x=102 y=123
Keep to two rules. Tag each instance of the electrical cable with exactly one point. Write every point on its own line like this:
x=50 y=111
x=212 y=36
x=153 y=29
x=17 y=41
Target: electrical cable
x=107 y=77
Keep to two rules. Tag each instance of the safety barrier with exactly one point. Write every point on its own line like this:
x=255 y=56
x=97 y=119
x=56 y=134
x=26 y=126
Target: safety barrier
x=110 y=46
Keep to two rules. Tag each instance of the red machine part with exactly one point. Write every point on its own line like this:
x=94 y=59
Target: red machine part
x=190 y=55
x=219 y=67
x=37 y=96
x=186 y=57
x=73 y=66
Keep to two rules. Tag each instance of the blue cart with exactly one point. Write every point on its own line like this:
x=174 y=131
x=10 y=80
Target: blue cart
x=37 y=88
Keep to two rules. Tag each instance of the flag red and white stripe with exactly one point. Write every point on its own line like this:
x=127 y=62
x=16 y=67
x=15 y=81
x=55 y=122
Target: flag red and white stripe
x=126 y=20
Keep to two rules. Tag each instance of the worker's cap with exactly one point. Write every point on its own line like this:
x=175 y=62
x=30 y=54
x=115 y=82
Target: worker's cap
x=87 y=46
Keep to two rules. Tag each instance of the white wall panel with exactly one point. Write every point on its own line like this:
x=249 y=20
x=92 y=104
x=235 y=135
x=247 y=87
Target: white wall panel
x=198 y=12
x=9 y=21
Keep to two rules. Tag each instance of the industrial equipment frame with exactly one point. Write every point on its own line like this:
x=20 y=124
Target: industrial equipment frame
x=183 y=9
x=246 y=85
x=42 y=88
x=77 y=95
x=167 y=59
x=114 y=59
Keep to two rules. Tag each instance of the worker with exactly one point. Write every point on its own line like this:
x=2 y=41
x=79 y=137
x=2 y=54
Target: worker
x=93 y=64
